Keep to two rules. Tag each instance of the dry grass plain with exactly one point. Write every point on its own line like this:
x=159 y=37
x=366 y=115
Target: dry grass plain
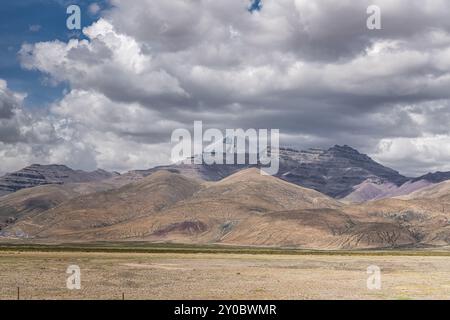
x=41 y=275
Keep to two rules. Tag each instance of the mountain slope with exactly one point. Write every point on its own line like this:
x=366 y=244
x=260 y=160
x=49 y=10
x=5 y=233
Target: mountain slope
x=38 y=199
x=340 y=172
x=36 y=175
x=243 y=209
x=333 y=172
x=434 y=191
x=109 y=207
x=168 y=201
x=421 y=217
x=376 y=189
x=435 y=177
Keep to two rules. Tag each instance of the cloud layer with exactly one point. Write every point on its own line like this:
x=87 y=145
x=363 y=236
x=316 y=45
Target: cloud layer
x=309 y=68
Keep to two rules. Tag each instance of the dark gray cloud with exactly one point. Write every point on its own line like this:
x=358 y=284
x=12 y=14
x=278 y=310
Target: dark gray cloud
x=8 y=102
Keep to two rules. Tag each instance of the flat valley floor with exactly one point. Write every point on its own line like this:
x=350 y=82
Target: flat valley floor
x=42 y=275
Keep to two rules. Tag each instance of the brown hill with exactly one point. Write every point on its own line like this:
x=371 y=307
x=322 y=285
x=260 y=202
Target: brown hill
x=100 y=209
x=440 y=190
x=42 y=198
x=426 y=220
x=193 y=207
x=245 y=208
x=375 y=189
x=250 y=209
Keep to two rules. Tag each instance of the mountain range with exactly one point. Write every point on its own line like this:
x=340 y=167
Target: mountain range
x=340 y=172
x=321 y=199
x=36 y=175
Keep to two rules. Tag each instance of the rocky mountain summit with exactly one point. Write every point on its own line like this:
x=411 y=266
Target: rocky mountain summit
x=36 y=175
x=333 y=172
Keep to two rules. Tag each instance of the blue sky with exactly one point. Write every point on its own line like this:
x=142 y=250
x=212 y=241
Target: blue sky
x=31 y=21
x=255 y=5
